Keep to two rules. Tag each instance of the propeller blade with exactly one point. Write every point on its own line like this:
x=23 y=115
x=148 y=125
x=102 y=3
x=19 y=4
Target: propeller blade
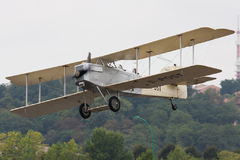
x=85 y=69
x=89 y=58
x=79 y=73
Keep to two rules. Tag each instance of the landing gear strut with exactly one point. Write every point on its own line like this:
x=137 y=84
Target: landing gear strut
x=113 y=102
x=174 y=106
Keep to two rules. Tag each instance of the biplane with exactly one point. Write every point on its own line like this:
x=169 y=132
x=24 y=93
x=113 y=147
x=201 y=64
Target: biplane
x=100 y=77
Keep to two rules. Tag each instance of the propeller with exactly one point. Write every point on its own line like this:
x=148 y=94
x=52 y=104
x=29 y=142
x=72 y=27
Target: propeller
x=85 y=68
x=89 y=58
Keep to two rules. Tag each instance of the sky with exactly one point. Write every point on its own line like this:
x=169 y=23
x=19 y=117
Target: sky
x=41 y=34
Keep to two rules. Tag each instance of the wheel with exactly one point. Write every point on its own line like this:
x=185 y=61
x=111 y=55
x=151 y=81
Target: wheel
x=114 y=104
x=82 y=111
x=174 y=106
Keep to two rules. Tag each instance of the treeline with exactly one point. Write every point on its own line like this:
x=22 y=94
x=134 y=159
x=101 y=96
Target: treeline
x=202 y=120
x=101 y=145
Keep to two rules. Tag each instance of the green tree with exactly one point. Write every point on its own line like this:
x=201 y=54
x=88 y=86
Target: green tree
x=138 y=150
x=184 y=136
x=210 y=153
x=190 y=91
x=236 y=151
x=69 y=150
x=2 y=90
x=35 y=144
x=230 y=86
x=51 y=137
x=72 y=150
x=166 y=150
x=9 y=145
x=14 y=145
x=192 y=150
x=226 y=155
x=148 y=155
x=55 y=152
x=106 y=145
x=179 y=154
x=209 y=135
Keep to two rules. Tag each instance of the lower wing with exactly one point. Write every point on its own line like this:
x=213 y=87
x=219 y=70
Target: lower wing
x=187 y=76
x=53 y=105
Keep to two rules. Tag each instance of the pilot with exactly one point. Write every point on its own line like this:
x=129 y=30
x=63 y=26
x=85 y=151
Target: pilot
x=134 y=70
x=120 y=67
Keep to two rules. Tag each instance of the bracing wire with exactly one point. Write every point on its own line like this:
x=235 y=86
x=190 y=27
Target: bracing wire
x=207 y=51
x=48 y=84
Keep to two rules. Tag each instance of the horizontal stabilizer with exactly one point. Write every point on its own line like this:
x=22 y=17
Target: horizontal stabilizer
x=53 y=105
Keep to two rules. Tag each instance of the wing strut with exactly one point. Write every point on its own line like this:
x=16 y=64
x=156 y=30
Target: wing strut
x=180 y=51
x=39 y=96
x=149 y=69
x=137 y=59
x=193 y=51
x=26 y=89
x=64 y=80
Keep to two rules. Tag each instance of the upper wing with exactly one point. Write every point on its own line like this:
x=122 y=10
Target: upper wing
x=157 y=47
x=187 y=75
x=45 y=75
x=165 y=45
x=53 y=105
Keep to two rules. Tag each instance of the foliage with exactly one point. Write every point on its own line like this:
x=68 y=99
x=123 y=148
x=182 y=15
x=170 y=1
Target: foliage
x=9 y=144
x=106 y=145
x=230 y=86
x=14 y=145
x=226 y=155
x=236 y=151
x=193 y=151
x=148 y=155
x=179 y=154
x=69 y=150
x=210 y=153
x=138 y=150
x=166 y=150
x=202 y=120
x=190 y=91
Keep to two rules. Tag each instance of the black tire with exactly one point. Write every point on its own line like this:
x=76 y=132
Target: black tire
x=114 y=104
x=174 y=107
x=82 y=112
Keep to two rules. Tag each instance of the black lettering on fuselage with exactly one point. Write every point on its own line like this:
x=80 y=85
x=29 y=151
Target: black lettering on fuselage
x=157 y=88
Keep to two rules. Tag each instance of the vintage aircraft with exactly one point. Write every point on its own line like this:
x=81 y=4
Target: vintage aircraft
x=100 y=77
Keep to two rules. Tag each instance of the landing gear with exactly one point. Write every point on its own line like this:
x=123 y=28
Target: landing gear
x=114 y=104
x=174 y=106
x=83 y=111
